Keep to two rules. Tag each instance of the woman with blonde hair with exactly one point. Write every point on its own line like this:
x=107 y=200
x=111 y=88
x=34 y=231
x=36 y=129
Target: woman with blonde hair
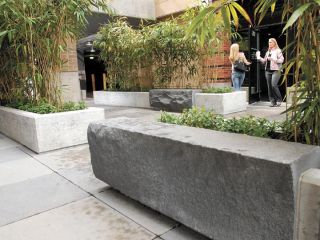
x=273 y=62
x=238 y=61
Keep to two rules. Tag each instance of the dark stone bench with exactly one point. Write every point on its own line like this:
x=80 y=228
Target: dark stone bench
x=223 y=185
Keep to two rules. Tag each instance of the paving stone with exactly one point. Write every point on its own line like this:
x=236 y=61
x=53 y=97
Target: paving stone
x=183 y=233
x=5 y=142
x=21 y=170
x=85 y=179
x=74 y=163
x=27 y=150
x=88 y=219
x=12 y=153
x=151 y=220
x=67 y=158
x=134 y=113
x=24 y=199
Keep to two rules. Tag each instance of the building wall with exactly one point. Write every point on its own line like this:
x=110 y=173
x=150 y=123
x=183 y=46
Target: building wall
x=69 y=75
x=217 y=68
x=168 y=7
x=133 y=8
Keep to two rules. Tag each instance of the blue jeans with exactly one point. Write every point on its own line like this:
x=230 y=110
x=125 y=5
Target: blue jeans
x=237 y=79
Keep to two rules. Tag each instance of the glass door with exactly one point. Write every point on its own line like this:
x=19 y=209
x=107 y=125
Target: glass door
x=249 y=42
x=254 y=90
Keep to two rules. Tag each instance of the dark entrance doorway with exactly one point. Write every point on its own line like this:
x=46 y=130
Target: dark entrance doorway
x=255 y=38
x=95 y=72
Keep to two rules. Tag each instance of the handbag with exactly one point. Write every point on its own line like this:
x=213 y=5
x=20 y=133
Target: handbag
x=239 y=66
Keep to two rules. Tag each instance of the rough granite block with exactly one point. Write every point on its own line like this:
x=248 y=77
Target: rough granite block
x=174 y=100
x=223 y=185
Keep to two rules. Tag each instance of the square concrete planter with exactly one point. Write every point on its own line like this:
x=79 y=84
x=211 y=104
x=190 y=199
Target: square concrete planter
x=222 y=103
x=124 y=99
x=45 y=132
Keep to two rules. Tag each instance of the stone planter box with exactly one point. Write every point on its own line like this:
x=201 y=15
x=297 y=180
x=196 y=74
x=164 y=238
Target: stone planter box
x=125 y=99
x=173 y=100
x=222 y=103
x=45 y=132
x=226 y=186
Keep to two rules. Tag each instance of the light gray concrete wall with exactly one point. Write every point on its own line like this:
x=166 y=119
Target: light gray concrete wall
x=45 y=132
x=167 y=7
x=133 y=8
x=70 y=86
x=126 y=99
x=308 y=208
x=226 y=186
x=222 y=103
x=65 y=129
x=19 y=126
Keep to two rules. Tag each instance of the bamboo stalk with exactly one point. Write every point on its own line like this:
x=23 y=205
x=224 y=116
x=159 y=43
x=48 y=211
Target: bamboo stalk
x=104 y=81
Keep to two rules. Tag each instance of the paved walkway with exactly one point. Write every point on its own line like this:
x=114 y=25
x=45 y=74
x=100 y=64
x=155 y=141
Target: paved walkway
x=55 y=196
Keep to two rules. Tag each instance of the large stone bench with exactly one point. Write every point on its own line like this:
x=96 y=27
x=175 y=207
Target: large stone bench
x=223 y=185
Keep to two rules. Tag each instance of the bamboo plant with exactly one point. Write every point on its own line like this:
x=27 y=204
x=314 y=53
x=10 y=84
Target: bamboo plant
x=33 y=35
x=303 y=17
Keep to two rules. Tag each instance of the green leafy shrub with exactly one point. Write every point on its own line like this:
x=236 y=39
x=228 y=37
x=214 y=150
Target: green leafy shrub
x=217 y=90
x=44 y=107
x=249 y=125
x=161 y=50
x=122 y=50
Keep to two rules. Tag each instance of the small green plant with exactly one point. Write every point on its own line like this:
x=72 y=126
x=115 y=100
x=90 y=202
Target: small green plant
x=217 y=90
x=43 y=107
x=249 y=125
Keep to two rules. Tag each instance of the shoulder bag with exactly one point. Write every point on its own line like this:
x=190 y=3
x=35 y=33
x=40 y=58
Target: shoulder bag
x=239 y=66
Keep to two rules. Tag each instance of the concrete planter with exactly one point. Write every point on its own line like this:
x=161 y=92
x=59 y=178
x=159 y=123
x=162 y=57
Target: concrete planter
x=45 y=132
x=125 y=99
x=226 y=186
x=222 y=103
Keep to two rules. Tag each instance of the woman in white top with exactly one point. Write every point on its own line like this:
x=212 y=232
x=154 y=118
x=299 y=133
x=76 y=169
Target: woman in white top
x=237 y=75
x=273 y=62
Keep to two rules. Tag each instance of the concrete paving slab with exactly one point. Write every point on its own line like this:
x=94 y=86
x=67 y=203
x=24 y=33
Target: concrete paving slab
x=5 y=142
x=183 y=233
x=21 y=170
x=146 y=114
x=88 y=219
x=262 y=110
x=66 y=158
x=85 y=179
x=12 y=153
x=151 y=220
x=27 y=150
x=24 y=199
x=74 y=164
